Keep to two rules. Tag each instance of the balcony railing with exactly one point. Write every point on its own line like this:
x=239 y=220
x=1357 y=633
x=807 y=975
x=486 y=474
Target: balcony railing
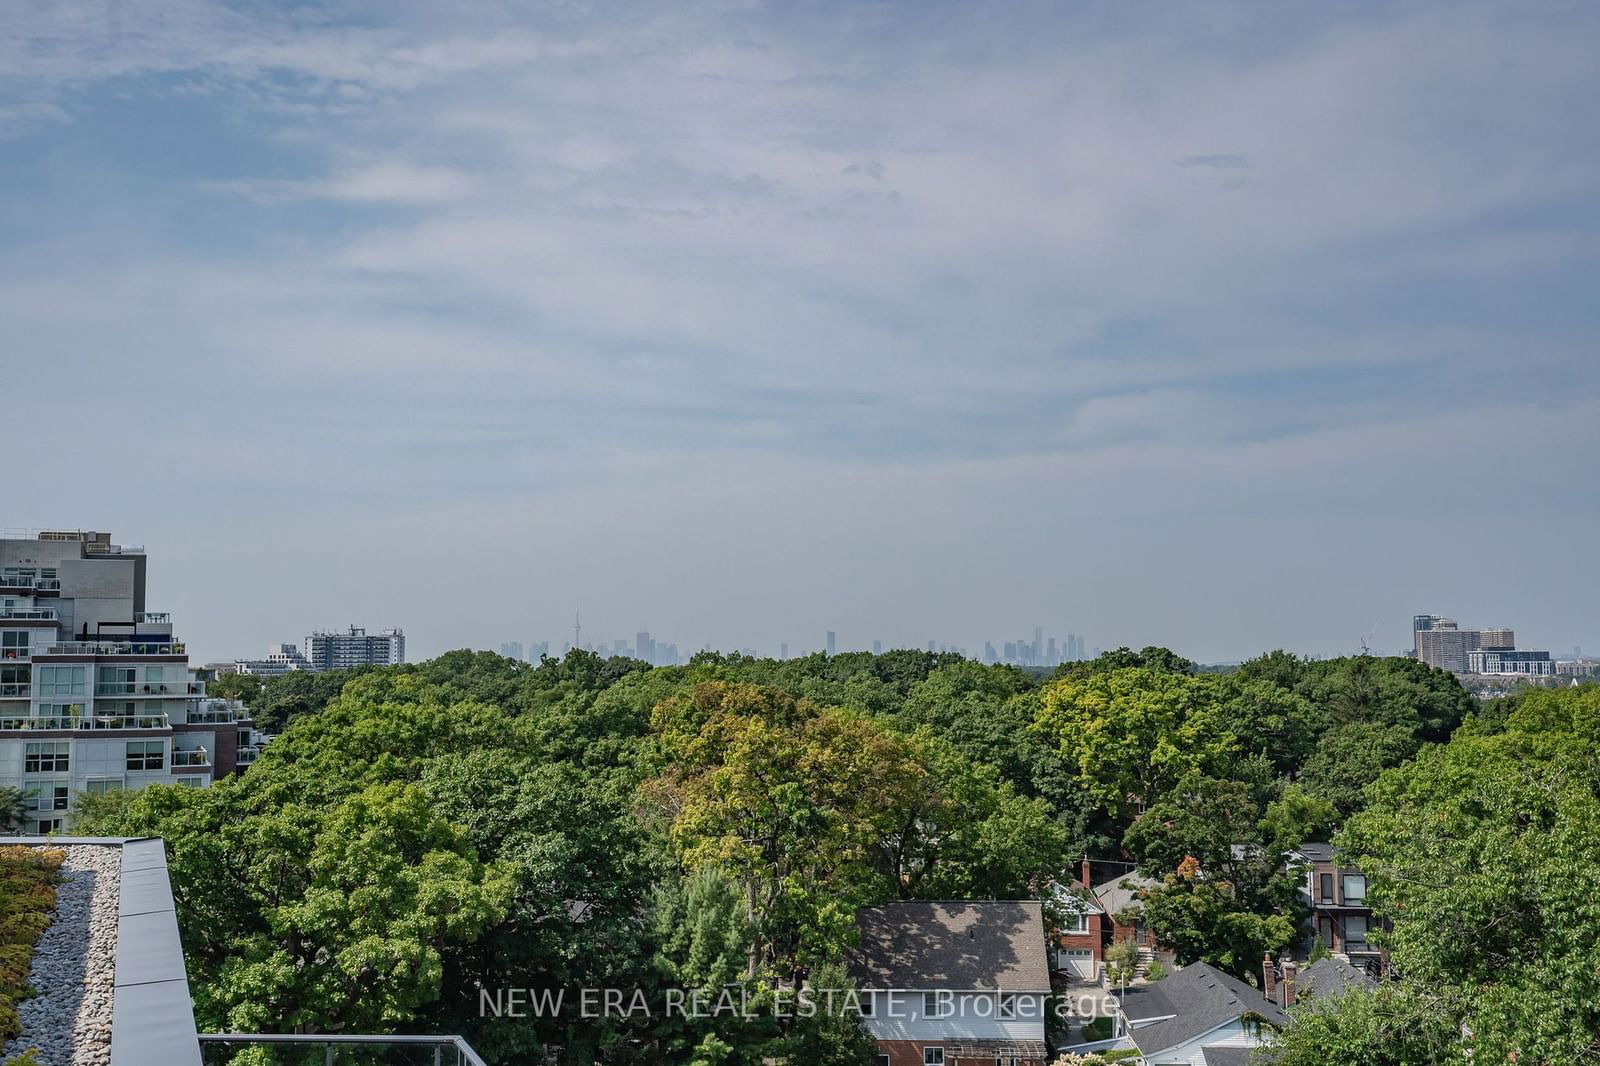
x=141 y=688
x=12 y=691
x=197 y=757
x=326 y=1049
x=153 y=617
x=84 y=721
x=30 y=581
x=248 y=754
x=44 y=614
x=106 y=647
x=209 y=712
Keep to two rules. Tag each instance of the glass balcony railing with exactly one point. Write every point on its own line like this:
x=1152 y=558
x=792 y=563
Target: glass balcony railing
x=142 y=688
x=211 y=712
x=108 y=647
x=43 y=614
x=30 y=581
x=84 y=721
x=313 y=1049
x=197 y=757
x=11 y=691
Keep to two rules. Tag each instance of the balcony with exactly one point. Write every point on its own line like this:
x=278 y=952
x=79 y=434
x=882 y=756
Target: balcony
x=154 y=618
x=42 y=614
x=211 y=712
x=141 y=688
x=107 y=648
x=14 y=582
x=199 y=757
x=13 y=691
x=248 y=754
x=84 y=722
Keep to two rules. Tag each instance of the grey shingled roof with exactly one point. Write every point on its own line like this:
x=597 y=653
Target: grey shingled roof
x=952 y=944
x=1329 y=977
x=1316 y=851
x=1201 y=997
x=1121 y=893
x=1227 y=1056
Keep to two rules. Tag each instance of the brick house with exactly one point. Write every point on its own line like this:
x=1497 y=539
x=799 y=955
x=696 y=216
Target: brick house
x=1078 y=943
x=1123 y=908
x=955 y=983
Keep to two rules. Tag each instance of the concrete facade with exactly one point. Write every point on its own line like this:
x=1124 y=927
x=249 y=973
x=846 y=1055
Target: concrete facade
x=96 y=693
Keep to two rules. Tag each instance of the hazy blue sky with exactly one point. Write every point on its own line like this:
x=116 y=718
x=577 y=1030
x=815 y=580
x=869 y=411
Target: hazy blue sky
x=1226 y=326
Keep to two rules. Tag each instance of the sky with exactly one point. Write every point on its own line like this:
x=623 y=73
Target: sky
x=1227 y=327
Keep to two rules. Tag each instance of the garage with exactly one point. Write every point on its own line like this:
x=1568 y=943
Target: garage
x=1077 y=961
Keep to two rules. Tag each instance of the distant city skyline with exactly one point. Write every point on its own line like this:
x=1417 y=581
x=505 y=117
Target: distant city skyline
x=664 y=649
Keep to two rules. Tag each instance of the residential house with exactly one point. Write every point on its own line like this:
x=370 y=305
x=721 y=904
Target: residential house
x=1198 y=1016
x=1123 y=906
x=1287 y=983
x=1337 y=896
x=954 y=983
x=1078 y=941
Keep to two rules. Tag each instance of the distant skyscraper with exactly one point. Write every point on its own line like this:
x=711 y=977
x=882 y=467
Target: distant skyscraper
x=1050 y=652
x=830 y=642
x=930 y=645
x=988 y=652
x=877 y=647
x=783 y=650
x=645 y=647
x=512 y=649
x=1038 y=642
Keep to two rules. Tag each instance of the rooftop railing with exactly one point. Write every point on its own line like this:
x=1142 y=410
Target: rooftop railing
x=47 y=614
x=107 y=647
x=152 y=617
x=326 y=1049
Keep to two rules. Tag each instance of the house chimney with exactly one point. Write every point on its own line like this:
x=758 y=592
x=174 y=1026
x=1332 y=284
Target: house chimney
x=1268 y=977
x=1288 y=983
x=1084 y=874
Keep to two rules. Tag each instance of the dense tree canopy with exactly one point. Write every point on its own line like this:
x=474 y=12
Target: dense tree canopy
x=1485 y=855
x=418 y=834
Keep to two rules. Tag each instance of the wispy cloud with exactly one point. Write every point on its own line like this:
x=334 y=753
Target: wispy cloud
x=900 y=244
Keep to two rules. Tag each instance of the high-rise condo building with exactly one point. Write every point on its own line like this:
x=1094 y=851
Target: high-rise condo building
x=1439 y=642
x=96 y=694
x=830 y=642
x=341 y=651
x=512 y=649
